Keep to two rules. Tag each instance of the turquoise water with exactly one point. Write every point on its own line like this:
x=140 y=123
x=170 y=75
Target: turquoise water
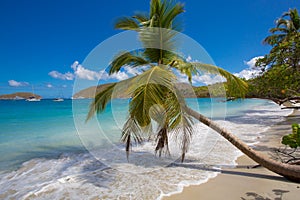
x=40 y=139
x=47 y=129
x=35 y=129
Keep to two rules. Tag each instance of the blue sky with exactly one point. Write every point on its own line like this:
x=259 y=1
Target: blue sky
x=38 y=37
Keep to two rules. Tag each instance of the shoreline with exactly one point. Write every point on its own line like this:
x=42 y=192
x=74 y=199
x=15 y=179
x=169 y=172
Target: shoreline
x=243 y=182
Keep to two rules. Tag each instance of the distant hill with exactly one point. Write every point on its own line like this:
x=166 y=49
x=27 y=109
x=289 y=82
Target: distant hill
x=185 y=89
x=19 y=95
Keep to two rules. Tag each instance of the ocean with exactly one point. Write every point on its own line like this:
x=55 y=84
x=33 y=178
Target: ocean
x=48 y=151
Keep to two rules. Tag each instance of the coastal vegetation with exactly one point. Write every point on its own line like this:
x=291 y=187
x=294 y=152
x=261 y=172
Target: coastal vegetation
x=154 y=94
x=280 y=78
x=290 y=153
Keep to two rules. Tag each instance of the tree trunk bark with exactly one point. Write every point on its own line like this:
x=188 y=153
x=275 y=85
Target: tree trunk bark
x=291 y=172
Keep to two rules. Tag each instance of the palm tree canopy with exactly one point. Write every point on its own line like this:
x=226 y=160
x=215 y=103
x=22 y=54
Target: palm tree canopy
x=154 y=96
x=287 y=25
x=285 y=42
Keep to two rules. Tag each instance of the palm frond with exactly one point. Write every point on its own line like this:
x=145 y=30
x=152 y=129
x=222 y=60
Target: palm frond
x=170 y=15
x=143 y=99
x=148 y=89
x=278 y=29
x=126 y=23
x=131 y=131
x=236 y=86
x=174 y=105
x=126 y=58
x=274 y=39
x=294 y=18
x=154 y=8
x=163 y=13
x=141 y=18
x=100 y=101
x=283 y=22
x=162 y=141
x=158 y=114
x=159 y=75
x=183 y=133
x=178 y=121
x=159 y=43
x=103 y=97
x=185 y=68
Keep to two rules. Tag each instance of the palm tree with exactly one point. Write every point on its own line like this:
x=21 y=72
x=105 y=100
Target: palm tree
x=285 y=41
x=154 y=96
x=285 y=27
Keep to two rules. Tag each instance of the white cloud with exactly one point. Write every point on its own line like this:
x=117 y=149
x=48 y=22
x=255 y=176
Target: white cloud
x=188 y=59
x=119 y=76
x=74 y=65
x=79 y=71
x=252 y=71
x=251 y=62
x=207 y=79
x=131 y=71
x=83 y=73
x=66 y=76
x=49 y=85
x=247 y=73
x=103 y=75
x=14 y=83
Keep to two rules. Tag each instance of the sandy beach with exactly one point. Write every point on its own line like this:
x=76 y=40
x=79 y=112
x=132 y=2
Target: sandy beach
x=247 y=183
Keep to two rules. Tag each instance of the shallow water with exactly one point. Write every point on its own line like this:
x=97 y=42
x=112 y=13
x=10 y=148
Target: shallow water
x=49 y=152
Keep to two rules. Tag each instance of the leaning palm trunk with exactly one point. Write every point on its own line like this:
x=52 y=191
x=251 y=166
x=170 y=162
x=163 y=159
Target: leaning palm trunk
x=291 y=172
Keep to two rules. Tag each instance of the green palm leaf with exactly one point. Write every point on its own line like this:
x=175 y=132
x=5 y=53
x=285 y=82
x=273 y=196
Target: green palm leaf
x=236 y=86
x=148 y=89
x=183 y=133
x=100 y=101
x=159 y=44
x=141 y=18
x=126 y=23
x=126 y=58
x=131 y=131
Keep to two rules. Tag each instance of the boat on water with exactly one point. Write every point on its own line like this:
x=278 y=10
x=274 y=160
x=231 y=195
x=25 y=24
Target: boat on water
x=58 y=99
x=33 y=98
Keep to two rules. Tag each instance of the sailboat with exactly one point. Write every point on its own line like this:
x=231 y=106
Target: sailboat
x=58 y=99
x=33 y=98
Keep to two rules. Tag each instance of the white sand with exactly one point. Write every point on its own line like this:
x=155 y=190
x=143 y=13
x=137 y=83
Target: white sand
x=247 y=184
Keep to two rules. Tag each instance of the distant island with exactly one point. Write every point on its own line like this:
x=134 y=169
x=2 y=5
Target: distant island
x=19 y=96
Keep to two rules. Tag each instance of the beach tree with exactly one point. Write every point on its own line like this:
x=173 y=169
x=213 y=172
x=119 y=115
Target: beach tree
x=285 y=42
x=154 y=95
x=281 y=80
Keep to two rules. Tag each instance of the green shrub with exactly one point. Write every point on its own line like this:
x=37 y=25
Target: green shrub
x=293 y=139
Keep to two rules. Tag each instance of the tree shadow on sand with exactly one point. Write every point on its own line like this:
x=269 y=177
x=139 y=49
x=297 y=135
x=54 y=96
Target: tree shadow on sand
x=254 y=196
